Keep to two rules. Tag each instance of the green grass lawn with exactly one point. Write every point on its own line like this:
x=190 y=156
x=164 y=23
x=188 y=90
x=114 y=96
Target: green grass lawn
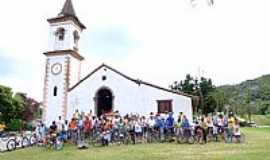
x=257 y=147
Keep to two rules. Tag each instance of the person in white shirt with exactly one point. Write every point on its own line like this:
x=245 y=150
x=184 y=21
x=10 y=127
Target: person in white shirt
x=38 y=131
x=60 y=124
x=65 y=130
x=138 y=129
x=42 y=131
x=152 y=122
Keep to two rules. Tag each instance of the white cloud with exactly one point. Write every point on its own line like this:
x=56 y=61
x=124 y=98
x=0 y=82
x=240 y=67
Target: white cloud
x=228 y=41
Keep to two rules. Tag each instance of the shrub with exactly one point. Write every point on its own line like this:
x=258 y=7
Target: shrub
x=15 y=125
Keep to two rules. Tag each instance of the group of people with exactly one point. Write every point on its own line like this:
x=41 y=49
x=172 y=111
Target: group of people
x=213 y=125
x=138 y=127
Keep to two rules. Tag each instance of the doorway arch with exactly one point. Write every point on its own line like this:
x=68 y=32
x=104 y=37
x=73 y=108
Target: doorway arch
x=104 y=101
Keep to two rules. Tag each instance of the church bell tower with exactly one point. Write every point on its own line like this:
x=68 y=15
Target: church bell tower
x=63 y=62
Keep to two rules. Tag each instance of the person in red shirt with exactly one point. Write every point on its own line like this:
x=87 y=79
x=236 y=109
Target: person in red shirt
x=73 y=129
x=87 y=127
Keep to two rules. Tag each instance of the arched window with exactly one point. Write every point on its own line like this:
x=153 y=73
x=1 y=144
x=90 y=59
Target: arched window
x=60 y=33
x=76 y=38
x=55 y=91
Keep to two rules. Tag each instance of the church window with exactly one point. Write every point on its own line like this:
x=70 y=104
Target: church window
x=60 y=33
x=55 y=91
x=104 y=78
x=76 y=37
x=164 y=106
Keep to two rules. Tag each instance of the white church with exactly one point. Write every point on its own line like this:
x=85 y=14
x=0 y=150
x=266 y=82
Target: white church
x=104 y=89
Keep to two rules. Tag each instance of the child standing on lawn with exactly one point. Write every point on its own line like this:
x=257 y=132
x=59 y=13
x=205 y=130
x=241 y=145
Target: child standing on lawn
x=236 y=130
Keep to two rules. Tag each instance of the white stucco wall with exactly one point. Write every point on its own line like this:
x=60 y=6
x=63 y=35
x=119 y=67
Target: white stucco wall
x=129 y=96
x=74 y=70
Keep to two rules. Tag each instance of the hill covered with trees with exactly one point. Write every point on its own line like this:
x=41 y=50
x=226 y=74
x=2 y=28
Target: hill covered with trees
x=255 y=92
x=245 y=99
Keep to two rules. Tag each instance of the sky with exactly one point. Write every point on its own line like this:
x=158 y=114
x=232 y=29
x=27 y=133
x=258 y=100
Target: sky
x=158 y=41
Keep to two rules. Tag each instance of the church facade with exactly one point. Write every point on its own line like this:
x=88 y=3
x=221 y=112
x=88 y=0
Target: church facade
x=103 y=90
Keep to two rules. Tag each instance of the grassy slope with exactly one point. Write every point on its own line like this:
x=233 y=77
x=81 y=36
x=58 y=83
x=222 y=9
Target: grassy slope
x=257 y=147
x=261 y=119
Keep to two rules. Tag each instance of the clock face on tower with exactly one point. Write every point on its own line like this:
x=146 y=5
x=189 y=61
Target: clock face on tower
x=56 y=68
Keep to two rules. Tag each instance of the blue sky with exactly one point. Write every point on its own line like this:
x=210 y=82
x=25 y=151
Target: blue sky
x=159 y=41
x=7 y=65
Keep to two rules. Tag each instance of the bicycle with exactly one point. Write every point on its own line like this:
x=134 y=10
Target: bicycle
x=221 y=134
x=17 y=141
x=199 y=135
x=186 y=136
x=53 y=141
x=169 y=135
x=33 y=139
x=152 y=135
x=239 y=138
x=210 y=135
x=120 y=136
x=96 y=138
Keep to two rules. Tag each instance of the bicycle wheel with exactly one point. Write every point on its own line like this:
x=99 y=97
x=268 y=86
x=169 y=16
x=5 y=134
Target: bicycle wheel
x=33 y=140
x=198 y=139
x=11 y=145
x=182 y=140
x=242 y=138
x=127 y=139
x=177 y=139
x=191 y=140
x=25 y=142
x=210 y=138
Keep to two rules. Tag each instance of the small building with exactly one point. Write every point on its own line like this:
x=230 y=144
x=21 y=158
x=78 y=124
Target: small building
x=105 y=89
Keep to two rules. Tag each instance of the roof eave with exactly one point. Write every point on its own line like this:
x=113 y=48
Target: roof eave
x=131 y=79
x=73 y=53
x=65 y=18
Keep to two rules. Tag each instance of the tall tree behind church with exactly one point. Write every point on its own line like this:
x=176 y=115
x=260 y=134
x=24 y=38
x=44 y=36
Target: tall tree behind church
x=203 y=101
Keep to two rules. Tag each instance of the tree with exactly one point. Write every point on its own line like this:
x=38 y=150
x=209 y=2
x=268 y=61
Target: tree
x=186 y=86
x=216 y=101
x=32 y=110
x=201 y=89
x=264 y=107
x=11 y=108
x=249 y=105
x=31 y=107
x=18 y=109
x=6 y=103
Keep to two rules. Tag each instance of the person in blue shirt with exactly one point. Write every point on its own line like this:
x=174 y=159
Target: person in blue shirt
x=186 y=126
x=160 y=124
x=169 y=124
